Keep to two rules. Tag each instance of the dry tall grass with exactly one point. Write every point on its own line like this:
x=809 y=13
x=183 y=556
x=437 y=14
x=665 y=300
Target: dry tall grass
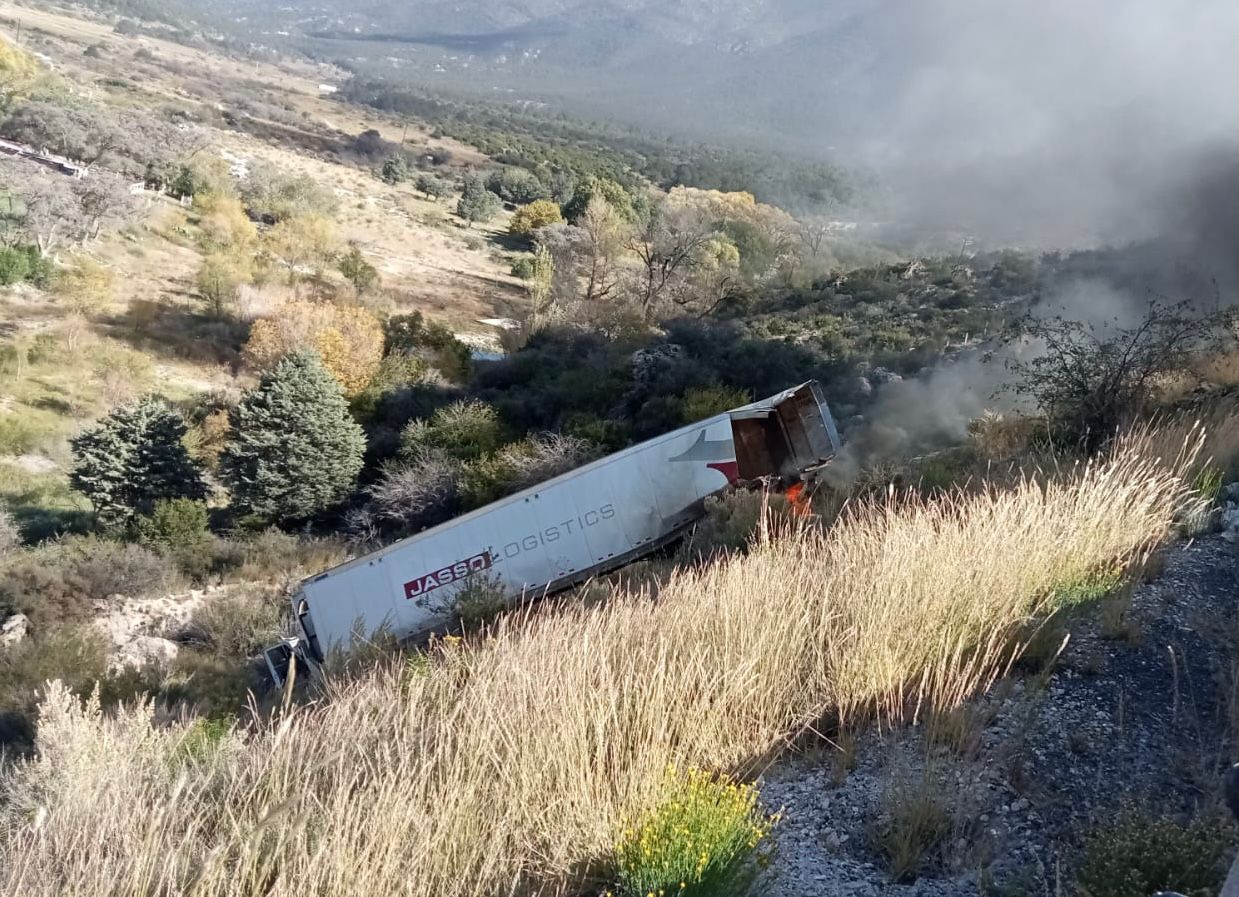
x=512 y=765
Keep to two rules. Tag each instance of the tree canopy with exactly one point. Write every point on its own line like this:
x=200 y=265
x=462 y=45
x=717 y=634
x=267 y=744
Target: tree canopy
x=132 y=459
x=295 y=450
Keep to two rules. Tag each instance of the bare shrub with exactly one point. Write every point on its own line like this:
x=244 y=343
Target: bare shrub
x=544 y=457
x=274 y=555
x=418 y=492
x=255 y=302
x=520 y=465
x=107 y=567
x=1089 y=381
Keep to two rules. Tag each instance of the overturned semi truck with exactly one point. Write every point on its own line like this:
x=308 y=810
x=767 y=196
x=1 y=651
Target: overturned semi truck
x=560 y=533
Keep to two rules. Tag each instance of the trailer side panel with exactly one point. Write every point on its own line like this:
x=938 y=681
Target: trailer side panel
x=561 y=532
x=593 y=519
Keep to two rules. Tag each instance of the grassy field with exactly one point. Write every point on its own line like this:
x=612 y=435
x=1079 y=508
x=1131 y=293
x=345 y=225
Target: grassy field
x=513 y=763
x=425 y=258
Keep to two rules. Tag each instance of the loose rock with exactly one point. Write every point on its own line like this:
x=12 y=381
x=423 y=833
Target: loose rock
x=13 y=630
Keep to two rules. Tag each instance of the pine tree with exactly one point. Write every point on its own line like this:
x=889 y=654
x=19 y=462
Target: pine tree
x=132 y=459
x=476 y=202
x=295 y=451
x=395 y=170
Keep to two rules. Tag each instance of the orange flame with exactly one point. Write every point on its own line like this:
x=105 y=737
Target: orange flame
x=798 y=497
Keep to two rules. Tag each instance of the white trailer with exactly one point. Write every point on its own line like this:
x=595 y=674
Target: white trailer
x=564 y=531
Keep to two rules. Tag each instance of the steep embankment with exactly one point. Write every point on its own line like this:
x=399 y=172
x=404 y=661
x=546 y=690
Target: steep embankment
x=1137 y=710
x=518 y=761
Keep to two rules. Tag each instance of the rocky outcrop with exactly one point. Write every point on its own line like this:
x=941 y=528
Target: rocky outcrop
x=13 y=630
x=121 y=618
x=143 y=651
x=142 y=631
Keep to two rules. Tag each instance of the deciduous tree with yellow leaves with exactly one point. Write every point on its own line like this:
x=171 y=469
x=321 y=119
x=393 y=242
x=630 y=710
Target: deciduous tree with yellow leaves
x=537 y=214
x=19 y=73
x=348 y=339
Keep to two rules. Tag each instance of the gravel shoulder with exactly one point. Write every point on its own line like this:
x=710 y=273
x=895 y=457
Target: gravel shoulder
x=1137 y=708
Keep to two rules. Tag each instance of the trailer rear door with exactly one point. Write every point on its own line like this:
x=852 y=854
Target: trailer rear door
x=793 y=434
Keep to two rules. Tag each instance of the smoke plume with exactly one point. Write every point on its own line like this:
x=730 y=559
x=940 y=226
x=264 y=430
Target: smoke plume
x=908 y=417
x=1056 y=123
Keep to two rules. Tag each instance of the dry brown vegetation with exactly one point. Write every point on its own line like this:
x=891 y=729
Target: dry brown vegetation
x=424 y=259
x=511 y=764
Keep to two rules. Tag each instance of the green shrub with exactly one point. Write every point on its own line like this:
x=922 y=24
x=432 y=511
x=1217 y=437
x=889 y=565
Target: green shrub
x=707 y=401
x=476 y=203
x=177 y=529
x=615 y=195
x=357 y=270
x=1143 y=853
x=608 y=435
x=524 y=267
x=479 y=602
x=20 y=434
x=23 y=263
x=517 y=185
x=700 y=841
x=173 y=523
x=395 y=170
x=397 y=371
x=14 y=265
x=434 y=187
x=531 y=218
x=202 y=738
x=434 y=343
x=1208 y=484
x=1087 y=588
x=466 y=430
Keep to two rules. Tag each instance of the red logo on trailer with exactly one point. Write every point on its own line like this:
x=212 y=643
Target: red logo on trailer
x=437 y=579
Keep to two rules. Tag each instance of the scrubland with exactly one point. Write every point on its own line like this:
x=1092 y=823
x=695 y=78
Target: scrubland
x=512 y=762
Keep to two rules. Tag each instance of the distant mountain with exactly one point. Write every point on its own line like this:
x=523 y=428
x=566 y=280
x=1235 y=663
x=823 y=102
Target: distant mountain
x=741 y=67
